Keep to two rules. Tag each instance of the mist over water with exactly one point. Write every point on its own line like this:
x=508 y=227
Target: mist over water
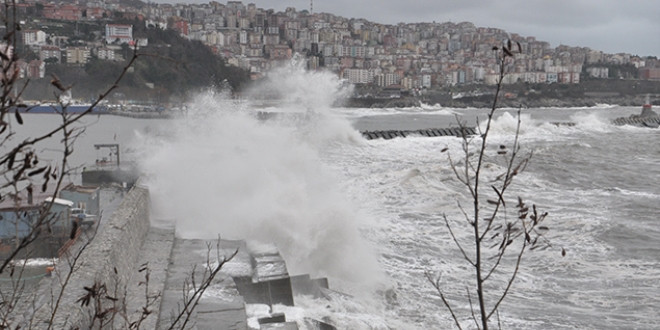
x=294 y=89
x=221 y=171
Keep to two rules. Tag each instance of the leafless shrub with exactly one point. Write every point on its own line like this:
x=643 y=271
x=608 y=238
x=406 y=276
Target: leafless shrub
x=108 y=309
x=23 y=173
x=498 y=240
x=150 y=301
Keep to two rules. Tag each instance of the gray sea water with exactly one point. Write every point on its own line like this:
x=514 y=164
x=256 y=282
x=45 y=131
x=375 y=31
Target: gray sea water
x=597 y=181
x=368 y=214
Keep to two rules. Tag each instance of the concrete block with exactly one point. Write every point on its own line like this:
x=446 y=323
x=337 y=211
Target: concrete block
x=321 y=282
x=280 y=326
x=268 y=292
x=274 y=318
x=304 y=285
x=221 y=315
x=318 y=325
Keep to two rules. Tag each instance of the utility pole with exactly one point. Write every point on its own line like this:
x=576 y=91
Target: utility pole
x=311 y=7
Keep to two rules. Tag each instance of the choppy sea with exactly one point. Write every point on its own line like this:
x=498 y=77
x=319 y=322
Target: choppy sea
x=368 y=214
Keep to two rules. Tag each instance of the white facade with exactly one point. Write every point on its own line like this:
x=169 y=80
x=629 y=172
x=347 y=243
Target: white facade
x=599 y=72
x=34 y=37
x=359 y=76
x=77 y=55
x=426 y=81
x=108 y=54
x=119 y=33
x=50 y=52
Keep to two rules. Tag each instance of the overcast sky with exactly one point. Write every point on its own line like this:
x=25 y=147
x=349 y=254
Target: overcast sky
x=613 y=26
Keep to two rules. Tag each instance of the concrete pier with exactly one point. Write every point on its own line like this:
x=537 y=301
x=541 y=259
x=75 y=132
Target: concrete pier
x=131 y=250
x=222 y=306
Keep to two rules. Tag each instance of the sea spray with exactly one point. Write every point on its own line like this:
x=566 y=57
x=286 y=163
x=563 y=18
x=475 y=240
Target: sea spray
x=599 y=186
x=221 y=171
x=297 y=90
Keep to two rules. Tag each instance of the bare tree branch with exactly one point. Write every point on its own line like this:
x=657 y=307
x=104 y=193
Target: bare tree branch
x=498 y=230
x=458 y=244
x=436 y=285
x=190 y=301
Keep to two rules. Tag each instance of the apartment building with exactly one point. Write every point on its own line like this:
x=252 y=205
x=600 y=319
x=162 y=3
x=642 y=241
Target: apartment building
x=118 y=33
x=46 y=52
x=34 y=37
x=77 y=55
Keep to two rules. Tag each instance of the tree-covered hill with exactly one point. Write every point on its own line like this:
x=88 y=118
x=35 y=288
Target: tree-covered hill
x=169 y=68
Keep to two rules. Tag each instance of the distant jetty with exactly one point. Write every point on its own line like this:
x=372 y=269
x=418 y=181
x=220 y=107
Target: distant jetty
x=132 y=111
x=56 y=109
x=648 y=117
x=143 y=115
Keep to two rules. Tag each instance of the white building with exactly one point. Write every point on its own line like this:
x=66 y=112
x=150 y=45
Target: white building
x=47 y=52
x=426 y=80
x=77 y=55
x=34 y=37
x=599 y=72
x=359 y=76
x=243 y=37
x=109 y=54
x=118 y=33
x=387 y=79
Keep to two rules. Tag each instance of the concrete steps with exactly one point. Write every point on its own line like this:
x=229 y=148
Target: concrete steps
x=252 y=277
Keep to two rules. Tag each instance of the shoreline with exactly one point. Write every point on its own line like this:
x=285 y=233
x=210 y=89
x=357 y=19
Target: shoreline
x=410 y=102
x=485 y=102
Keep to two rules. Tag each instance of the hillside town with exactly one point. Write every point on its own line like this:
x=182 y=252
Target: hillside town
x=410 y=56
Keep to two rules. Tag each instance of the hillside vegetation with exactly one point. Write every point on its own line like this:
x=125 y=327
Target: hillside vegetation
x=169 y=70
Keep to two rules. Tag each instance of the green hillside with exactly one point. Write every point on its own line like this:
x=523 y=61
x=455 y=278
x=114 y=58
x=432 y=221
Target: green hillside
x=169 y=69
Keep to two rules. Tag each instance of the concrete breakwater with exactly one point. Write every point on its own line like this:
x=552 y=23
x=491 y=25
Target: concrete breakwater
x=431 y=132
x=652 y=122
x=638 y=121
x=128 y=242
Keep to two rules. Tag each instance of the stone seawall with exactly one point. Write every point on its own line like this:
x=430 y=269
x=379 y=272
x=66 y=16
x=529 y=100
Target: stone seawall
x=110 y=259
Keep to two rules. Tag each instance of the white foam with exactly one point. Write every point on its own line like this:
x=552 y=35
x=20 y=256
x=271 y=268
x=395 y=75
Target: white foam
x=221 y=171
x=319 y=194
